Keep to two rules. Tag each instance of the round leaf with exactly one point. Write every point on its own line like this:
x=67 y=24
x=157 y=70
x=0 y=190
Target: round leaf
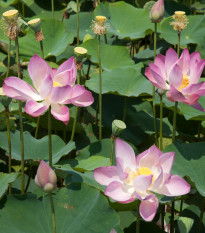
x=80 y=208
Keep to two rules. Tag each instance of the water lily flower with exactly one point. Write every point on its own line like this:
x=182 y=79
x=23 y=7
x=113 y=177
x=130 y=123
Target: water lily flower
x=178 y=76
x=45 y=178
x=157 y=12
x=138 y=177
x=53 y=87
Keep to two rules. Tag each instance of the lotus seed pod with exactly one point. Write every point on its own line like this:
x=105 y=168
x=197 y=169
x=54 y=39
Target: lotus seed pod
x=157 y=12
x=180 y=21
x=117 y=127
x=35 y=24
x=80 y=53
x=160 y=91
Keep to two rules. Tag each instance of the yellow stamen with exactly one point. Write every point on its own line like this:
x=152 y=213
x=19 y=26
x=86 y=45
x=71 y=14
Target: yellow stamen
x=145 y=171
x=185 y=82
x=56 y=84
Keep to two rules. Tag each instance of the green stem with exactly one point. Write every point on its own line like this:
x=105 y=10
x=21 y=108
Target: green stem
x=41 y=46
x=23 y=10
x=9 y=60
x=181 y=206
x=20 y=119
x=161 y=121
x=153 y=92
x=138 y=217
x=178 y=44
x=38 y=119
x=9 y=142
x=174 y=121
x=201 y=217
x=105 y=36
x=100 y=90
x=53 y=213
x=49 y=137
x=162 y=216
x=77 y=22
x=88 y=71
x=52 y=6
x=29 y=178
x=76 y=109
x=37 y=127
x=172 y=218
x=199 y=130
x=124 y=108
x=112 y=149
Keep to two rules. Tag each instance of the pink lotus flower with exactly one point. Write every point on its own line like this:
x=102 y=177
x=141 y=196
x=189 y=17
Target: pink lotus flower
x=179 y=76
x=45 y=178
x=53 y=88
x=137 y=177
x=157 y=12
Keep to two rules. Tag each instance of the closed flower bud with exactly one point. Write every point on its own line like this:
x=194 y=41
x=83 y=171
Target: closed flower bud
x=157 y=12
x=46 y=178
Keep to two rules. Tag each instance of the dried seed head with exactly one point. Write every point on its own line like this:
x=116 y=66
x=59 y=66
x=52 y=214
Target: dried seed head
x=99 y=26
x=180 y=21
x=35 y=24
x=10 y=23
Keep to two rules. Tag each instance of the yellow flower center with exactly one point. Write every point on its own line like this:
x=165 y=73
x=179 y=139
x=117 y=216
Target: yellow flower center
x=137 y=172
x=145 y=171
x=56 y=84
x=185 y=82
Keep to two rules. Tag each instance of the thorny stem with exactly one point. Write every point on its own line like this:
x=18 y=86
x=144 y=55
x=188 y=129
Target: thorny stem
x=9 y=60
x=124 y=108
x=201 y=217
x=172 y=218
x=76 y=110
x=49 y=137
x=161 y=121
x=138 y=218
x=9 y=142
x=38 y=119
x=77 y=22
x=153 y=93
x=20 y=119
x=52 y=6
x=100 y=90
x=174 y=121
x=53 y=213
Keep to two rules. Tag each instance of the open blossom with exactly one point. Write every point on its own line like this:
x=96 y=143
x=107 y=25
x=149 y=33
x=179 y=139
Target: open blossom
x=53 y=87
x=46 y=178
x=138 y=177
x=179 y=76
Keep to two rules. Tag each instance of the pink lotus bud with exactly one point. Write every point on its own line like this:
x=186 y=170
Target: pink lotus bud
x=45 y=178
x=157 y=12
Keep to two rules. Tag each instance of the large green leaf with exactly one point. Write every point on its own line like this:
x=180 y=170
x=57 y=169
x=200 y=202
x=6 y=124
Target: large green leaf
x=185 y=224
x=125 y=81
x=78 y=208
x=85 y=22
x=5 y=179
x=191 y=113
x=55 y=42
x=97 y=154
x=35 y=149
x=193 y=34
x=190 y=161
x=125 y=21
x=112 y=56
